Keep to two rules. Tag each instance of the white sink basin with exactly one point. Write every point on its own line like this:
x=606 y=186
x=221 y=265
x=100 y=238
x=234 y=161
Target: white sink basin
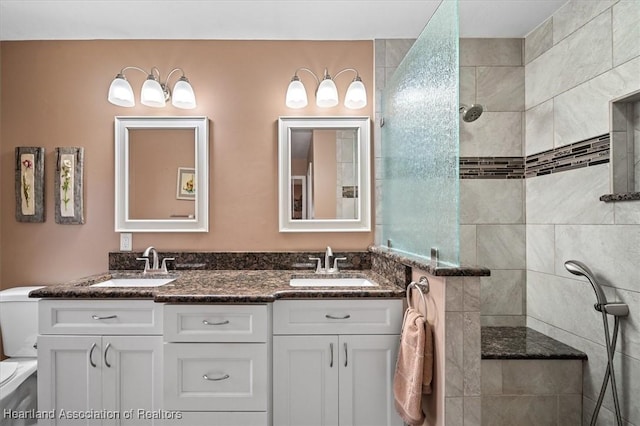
x=331 y=282
x=134 y=282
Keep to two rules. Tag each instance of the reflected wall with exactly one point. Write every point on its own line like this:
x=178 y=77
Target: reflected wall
x=420 y=154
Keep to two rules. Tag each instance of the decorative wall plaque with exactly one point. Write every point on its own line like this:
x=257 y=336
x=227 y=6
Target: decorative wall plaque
x=29 y=169
x=69 y=206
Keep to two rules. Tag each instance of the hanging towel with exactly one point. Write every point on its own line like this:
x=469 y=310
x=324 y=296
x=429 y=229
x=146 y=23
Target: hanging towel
x=427 y=370
x=409 y=373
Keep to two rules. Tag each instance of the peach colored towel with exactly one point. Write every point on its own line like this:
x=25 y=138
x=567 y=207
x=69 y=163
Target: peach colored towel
x=414 y=367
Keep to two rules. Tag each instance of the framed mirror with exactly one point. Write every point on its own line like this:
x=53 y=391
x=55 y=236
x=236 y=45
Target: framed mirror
x=324 y=174
x=161 y=174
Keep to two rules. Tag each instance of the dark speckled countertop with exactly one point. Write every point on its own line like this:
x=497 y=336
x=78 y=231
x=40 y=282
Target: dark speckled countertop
x=524 y=343
x=221 y=286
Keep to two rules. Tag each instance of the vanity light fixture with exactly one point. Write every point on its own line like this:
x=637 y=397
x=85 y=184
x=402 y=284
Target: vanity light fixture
x=154 y=92
x=326 y=91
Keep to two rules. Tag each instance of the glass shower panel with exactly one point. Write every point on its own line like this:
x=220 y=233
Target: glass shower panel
x=420 y=188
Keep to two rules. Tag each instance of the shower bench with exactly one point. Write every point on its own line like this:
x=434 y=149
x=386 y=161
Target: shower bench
x=529 y=378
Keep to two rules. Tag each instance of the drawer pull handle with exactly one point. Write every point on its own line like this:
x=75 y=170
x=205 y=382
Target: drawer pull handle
x=338 y=318
x=95 y=317
x=93 y=347
x=216 y=379
x=105 y=355
x=205 y=322
x=331 y=359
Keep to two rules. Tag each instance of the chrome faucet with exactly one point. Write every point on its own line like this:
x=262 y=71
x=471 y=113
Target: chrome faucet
x=151 y=251
x=328 y=254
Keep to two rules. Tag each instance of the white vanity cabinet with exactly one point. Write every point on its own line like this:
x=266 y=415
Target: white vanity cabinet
x=334 y=361
x=217 y=364
x=100 y=362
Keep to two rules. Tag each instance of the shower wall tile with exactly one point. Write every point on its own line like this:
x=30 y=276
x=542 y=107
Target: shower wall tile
x=539 y=128
x=583 y=111
x=501 y=246
x=575 y=14
x=521 y=410
x=468 y=253
x=570 y=197
x=467 y=85
x=454 y=354
x=612 y=252
x=471 y=298
x=491 y=376
x=538 y=41
x=490 y=52
x=396 y=50
x=580 y=57
x=454 y=294
x=503 y=293
x=540 y=248
x=454 y=411
x=570 y=409
x=380 y=52
x=492 y=201
x=500 y=88
x=497 y=134
x=471 y=354
x=627 y=213
x=536 y=377
x=472 y=411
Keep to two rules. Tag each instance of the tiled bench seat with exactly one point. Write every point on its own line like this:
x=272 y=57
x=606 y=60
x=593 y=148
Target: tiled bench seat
x=529 y=378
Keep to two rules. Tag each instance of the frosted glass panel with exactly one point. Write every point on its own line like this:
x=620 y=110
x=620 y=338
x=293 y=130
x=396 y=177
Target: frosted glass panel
x=420 y=188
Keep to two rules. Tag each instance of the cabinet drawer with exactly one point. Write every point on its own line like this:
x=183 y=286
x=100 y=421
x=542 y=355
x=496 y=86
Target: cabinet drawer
x=102 y=317
x=215 y=323
x=219 y=418
x=330 y=316
x=236 y=376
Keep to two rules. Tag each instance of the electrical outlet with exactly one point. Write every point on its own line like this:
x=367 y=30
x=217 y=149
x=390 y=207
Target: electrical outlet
x=125 y=241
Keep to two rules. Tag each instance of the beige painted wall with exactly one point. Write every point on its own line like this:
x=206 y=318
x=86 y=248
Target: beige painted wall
x=54 y=94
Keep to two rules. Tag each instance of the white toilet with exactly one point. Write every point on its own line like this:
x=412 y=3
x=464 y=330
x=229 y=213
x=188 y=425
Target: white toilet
x=18 y=384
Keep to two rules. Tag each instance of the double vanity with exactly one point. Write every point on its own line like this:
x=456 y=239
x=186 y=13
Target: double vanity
x=220 y=347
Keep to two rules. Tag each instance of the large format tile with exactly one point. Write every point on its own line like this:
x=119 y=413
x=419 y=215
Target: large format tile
x=541 y=377
x=521 y=410
x=583 y=112
x=490 y=51
x=491 y=201
x=491 y=376
x=540 y=248
x=538 y=41
x=626 y=31
x=503 y=320
x=497 y=134
x=468 y=245
x=580 y=57
x=472 y=354
x=569 y=197
x=503 y=293
x=539 y=128
x=454 y=354
x=472 y=411
x=575 y=14
x=467 y=85
x=627 y=212
x=611 y=252
x=395 y=51
x=500 y=88
x=501 y=246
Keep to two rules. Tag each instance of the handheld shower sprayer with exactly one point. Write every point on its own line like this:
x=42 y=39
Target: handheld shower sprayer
x=616 y=309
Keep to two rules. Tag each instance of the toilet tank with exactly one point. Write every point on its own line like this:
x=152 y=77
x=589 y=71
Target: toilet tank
x=19 y=322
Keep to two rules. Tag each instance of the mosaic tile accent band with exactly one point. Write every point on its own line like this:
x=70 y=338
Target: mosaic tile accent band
x=585 y=153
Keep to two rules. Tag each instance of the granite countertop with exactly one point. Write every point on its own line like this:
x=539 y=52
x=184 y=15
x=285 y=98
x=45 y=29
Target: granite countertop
x=220 y=286
x=524 y=343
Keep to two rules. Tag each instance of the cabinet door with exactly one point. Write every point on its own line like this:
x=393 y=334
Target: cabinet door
x=132 y=378
x=69 y=382
x=305 y=380
x=367 y=364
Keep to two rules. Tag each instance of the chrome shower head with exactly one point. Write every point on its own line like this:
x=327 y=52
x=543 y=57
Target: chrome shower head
x=471 y=113
x=579 y=268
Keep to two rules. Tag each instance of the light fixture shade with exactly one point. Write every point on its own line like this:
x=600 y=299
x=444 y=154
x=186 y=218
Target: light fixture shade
x=356 y=96
x=120 y=92
x=152 y=94
x=183 y=96
x=327 y=94
x=296 y=94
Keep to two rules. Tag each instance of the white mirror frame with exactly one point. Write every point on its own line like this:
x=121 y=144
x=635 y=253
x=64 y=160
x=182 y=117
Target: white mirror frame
x=123 y=223
x=363 y=222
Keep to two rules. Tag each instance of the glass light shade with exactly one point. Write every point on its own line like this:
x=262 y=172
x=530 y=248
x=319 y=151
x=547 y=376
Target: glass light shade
x=296 y=94
x=183 y=96
x=356 y=96
x=327 y=95
x=120 y=92
x=152 y=94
